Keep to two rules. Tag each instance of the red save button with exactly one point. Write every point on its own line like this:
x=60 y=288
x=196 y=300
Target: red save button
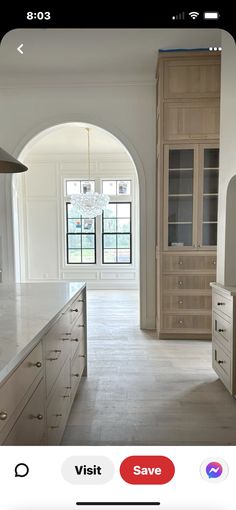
x=147 y=469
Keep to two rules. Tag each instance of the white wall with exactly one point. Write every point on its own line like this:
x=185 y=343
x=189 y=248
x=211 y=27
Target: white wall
x=42 y=223
x=127 y=111
x=226 y=251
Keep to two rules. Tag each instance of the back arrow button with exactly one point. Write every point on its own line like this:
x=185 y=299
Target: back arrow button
x=20 y=49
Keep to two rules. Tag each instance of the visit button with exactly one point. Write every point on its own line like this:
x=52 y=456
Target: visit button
x=147 y=469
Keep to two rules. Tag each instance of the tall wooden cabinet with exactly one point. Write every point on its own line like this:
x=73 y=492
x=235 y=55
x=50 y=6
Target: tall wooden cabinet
x=188 y=91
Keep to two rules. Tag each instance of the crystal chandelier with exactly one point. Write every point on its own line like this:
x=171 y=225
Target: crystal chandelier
x=89 y=204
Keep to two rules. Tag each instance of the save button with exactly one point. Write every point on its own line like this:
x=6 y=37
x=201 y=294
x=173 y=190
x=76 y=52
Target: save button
x=147 y=469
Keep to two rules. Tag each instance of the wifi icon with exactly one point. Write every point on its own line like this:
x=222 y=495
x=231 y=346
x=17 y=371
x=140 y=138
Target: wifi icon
x=194 y=14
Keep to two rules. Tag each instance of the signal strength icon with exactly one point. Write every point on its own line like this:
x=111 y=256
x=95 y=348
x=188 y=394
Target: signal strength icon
x=179 y=16
x=193 y=14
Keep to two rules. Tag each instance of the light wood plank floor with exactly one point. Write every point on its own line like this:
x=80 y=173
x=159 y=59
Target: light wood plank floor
x=141 y=391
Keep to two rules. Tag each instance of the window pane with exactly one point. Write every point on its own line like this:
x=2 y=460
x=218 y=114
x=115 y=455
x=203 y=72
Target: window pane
x=123 y=256
x=72 y=211
x=180 y=209
x=74 y=225
x=123 y=210
x=210 y=208
x=181 y=158
x=123 y=225
x=74 y=241
x=88 y=256
x=209 y=234
x=110 y=256
x=87 y=186
x=74 y=256
x=211 y=181
x=88 y=225
x=123 y=241
x=109 y=225
x=211 y=158
x=88 y=241
x=123 y=187
x=110 y=211
x=180 y=235
x=109 y=241
x=72 y=187
x=180 y=182
x=109 y=187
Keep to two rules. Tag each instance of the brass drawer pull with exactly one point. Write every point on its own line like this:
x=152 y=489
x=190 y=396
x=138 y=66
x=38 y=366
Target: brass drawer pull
x=68 y=387
x=82 y=356
x=66 y=396
x=65 y=339
x=38 y=364
x=220 y=304
x=57 y=350
x=52 y=359
x=58 y=414
x=3 y=415
x=80 y=325
x=180 y=322
x=221 y=362
x=74 y=339
x=74 y=310
x=180 y=262
x=180 y=283
x=213 y=262
x=80 y=300
x=75 y=375
x=221 y=330
x=38 y=417
x=180 y=302
x=54 y=427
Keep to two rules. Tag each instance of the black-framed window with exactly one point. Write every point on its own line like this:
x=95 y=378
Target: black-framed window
x=80 y=238
x=117 y=233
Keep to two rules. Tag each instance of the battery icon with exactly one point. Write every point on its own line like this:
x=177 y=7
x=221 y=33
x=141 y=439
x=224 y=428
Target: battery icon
x=211 y=15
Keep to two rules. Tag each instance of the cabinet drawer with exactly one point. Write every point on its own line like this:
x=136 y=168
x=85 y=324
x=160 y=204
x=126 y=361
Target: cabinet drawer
x=189 y=263
x=185 y=302
x=189 y=282
x=58 y=406
x=16 y=386
x=222 y=304
x=222 y=330
x=56 y=350
x=29 y=428
x=187 y=322
x=77 y=339
x=222 y=365
x=78 y=306
x=77 y=368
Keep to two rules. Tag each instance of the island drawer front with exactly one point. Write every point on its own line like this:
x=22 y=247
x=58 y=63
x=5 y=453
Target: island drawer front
x=77 y=368
x=58 y=406
x=222 y=304
x=222 y=330
x=187 y=322
x=78 y=306
x=78 y=337
x=174 y=262
x=187 y=282
x=222 y=365
x=56 y=349
x=18 y=383
x=185 y=302
x=29 y=428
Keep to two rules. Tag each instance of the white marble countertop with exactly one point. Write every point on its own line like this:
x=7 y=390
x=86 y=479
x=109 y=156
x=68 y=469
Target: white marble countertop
x=229 y=290
x=26 y=312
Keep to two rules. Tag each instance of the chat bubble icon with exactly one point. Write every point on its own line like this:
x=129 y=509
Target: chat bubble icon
x=214 y=470
x=21 y=470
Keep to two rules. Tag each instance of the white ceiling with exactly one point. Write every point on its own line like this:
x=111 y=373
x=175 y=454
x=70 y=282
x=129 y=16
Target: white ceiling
x=93 y=54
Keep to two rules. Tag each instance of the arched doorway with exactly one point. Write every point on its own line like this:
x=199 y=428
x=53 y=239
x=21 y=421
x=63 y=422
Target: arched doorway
x=129 y=278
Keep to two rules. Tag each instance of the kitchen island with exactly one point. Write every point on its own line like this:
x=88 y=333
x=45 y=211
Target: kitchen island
x=43 y=354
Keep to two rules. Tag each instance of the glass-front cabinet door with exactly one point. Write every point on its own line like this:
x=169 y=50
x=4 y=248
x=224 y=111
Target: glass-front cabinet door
x=208 y=196
x=179 y=206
